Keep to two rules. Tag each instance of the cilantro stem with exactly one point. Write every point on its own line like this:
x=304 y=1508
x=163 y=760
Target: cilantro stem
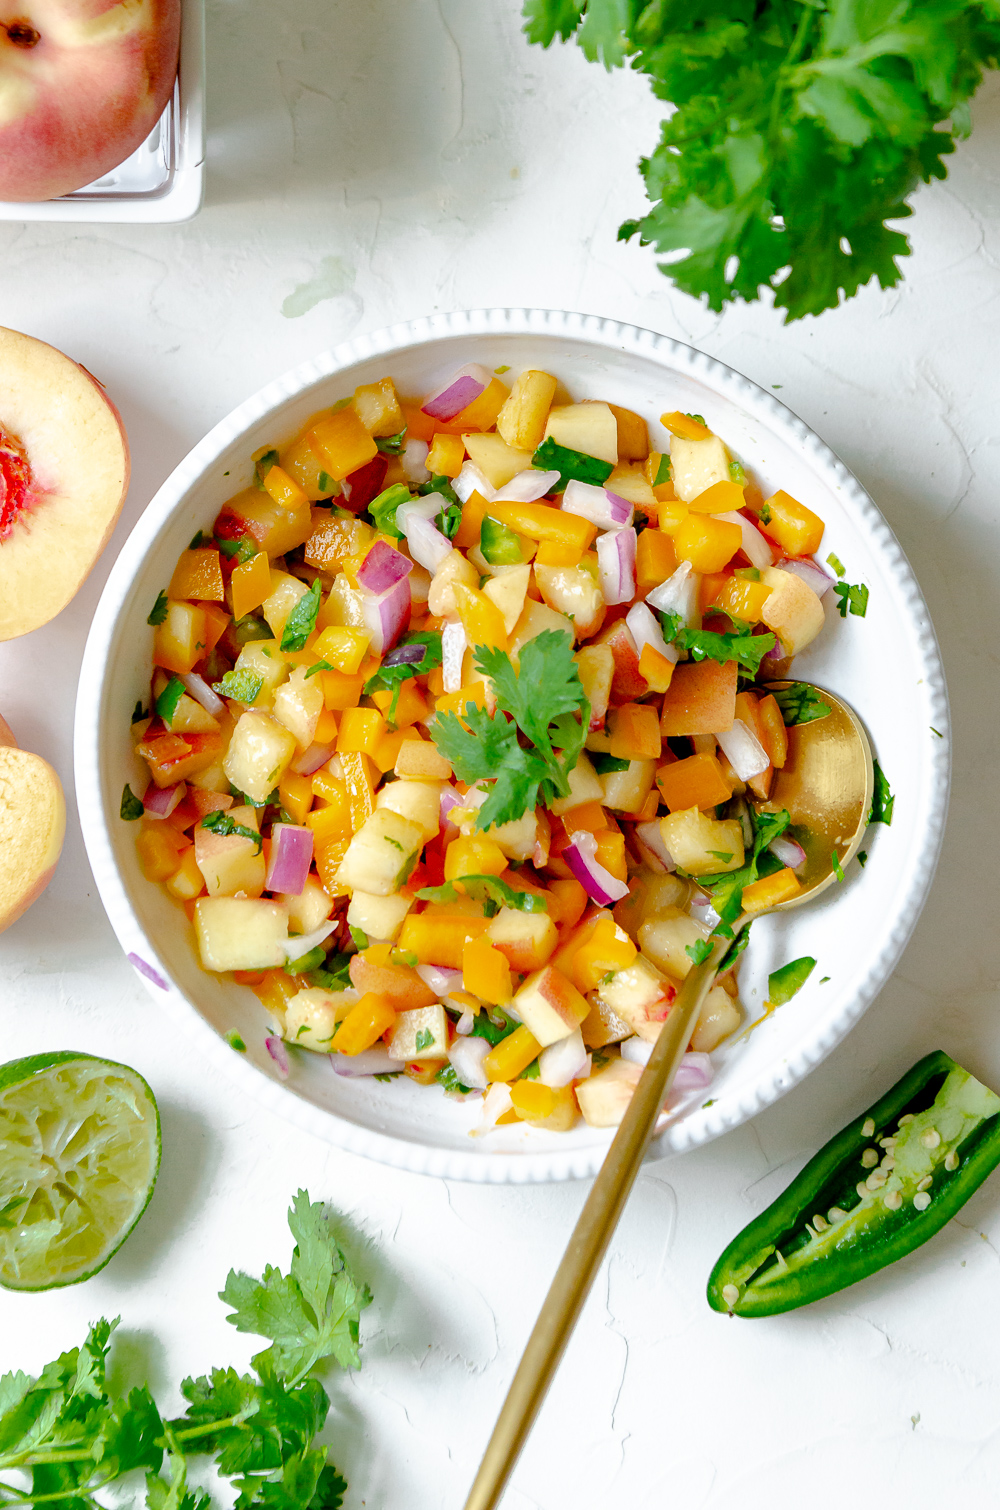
x=190 y=1432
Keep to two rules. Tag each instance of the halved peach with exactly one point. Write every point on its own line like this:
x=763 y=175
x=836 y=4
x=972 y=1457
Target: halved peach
x=64 y=468
x=32 y=826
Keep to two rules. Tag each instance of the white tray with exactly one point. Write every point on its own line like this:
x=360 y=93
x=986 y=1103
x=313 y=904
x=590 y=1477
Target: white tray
x=163 y=180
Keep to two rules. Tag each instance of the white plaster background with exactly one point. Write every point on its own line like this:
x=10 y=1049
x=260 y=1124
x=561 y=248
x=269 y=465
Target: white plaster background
x=369 y=163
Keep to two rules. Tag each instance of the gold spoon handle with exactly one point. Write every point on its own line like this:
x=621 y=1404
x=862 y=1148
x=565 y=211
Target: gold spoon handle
x=590 y=1239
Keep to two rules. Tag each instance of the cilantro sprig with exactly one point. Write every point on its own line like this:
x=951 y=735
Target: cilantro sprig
x=489 y=889
x=542 y=702
x=739 y=645
x=798 y=131
x=75 y=1438
x=853 y=597
x=220 y=823
x=799 y=704
x=391 y=678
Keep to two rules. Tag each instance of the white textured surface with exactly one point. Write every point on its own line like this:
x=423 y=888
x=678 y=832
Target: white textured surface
x=361 y=157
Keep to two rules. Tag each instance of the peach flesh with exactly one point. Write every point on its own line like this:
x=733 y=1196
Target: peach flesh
x=32 y=827
x=15 y=482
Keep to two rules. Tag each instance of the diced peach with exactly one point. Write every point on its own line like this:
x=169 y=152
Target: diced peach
x=793 y=610
x=525 y=939
x=604 y=1096
x=695 y=782
x=797 y=529
x=485 y=971
x=371 y=971
x=708 y=543
x=771 y=890
x=378 y=407
x=634 y=732
x=439 y=940
x=701 y=699
x=549 y=1005
x=627 y=683
x=342 y=443
x=521 y=421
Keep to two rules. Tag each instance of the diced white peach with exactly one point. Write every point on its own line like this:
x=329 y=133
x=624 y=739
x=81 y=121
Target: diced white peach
x=378 y=917
x=549 y=1005
x=382 y=853
x=516 y=839
x=604 y=1096
x=702 y=845
x=602 y=1026
x=535 y=618
x=310 y=909
x=497 y=461
x=696 y=465
x=666 y=938
x=571 y=590
x=236 y=933
x=596 y=665
x=263 y=658
x=190 y=717
x=421 y=1034
x=629 y=481
x=377 y=407
x=286 y=591
x=626 y=791
x=344 y=605
x=275 y=528
x=521 y=421
x=508 y=590
x=420 y=801
x=298 y=704
x=589 y=427
x=231 y=863
x=441 y=596
x=179 y=641
x=584 y=786
x=525 y=939
x=719 y=1017
x=641 y=996
x=312 y=1015
x=792 y=610
x=258 y=754
x=650 y=896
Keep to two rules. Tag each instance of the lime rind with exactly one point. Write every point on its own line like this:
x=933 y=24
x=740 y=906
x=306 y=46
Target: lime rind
x=79 y=1155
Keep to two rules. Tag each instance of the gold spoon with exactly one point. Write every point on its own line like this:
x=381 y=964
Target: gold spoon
x=826 y=785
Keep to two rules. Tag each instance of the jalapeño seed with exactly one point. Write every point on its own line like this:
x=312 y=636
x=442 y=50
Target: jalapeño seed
x=926 y=1182
x=893 y=1200
x=730 y=1294
x=921 y=1200
x=869 y=1159
x=951 y=1161
x=868 y=1127
x=930 y=1137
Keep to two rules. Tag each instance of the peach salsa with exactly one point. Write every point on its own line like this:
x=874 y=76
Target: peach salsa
x=451 y=720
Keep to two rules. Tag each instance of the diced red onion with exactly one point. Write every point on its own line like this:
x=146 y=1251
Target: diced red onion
x=600 y=885
x=160 y=801
x=616 y=565
x=743 y=750
x=527 y=487
x=495 y=1102
x=694 y=1072
x=702 y=911
x=413 y=456
x=364 y=484
x=291 y=857
x=449 y=799
x=756 y=547
x=606 y=510
x=428 y=546
x=465 y=1023
x=562 y=1061
x=788 y=851
x=678 y=594
x=276 y=1048
x=303 y=943
x=312 y=758
x=202 y=693
x=471 y=479
x=651 y=835
x=454 y=643
x=645 y=630
x=458 y=392
x=809 y=571
x=440 y=980
x=777 y=653
x=636 y=1050
x=466 y=1057
x=374 y=1061
x=405 y=655
x=382 y=568
x=387 y=614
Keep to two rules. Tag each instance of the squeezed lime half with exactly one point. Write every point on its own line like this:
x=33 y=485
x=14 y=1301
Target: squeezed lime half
x=79 y=1153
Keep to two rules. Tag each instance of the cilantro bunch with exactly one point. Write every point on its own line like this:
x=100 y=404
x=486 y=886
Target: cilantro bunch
x=800 y=127
x=75 y=1439
x=543 y=702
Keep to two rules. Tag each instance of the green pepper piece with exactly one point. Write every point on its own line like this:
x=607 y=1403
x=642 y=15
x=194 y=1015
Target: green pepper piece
x=945 y=1147
x=499 y=544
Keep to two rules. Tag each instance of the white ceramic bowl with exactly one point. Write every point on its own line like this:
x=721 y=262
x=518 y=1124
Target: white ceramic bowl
x=886 y=665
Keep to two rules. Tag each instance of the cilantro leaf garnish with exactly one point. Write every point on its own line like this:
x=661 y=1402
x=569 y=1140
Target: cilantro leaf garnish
x=319 y=666
x=605 y=764
x=236 y=1042
x=383 y=510
x=663 y=472
x=166 y=703
x=544 y=702
x=302 y=620
x=241 y=551
x=262 y=466
x=748 y=650
x=139 y=712
x=335 y=975
x=855 y=598
x=783 y=984
x=882 y=800
x=241 y=685
x=424 y=1039
x=799 y=704
x=391 y=445
x=493 y=1024
x=698 y=953
x=131 y=807
x=391 y=678
x=446 y=1076
x=836 y=866
x=488 y=889
x=571 y=465
x=220 y=823
x=159 y=610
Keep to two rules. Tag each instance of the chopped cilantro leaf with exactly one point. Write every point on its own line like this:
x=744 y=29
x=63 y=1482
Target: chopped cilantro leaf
x=746 y=649
x=383 y=509
x=241 y=551
x=166 y=703
x=391 y=445
x=710 y=1102
x=571 y=465
x=241 y=685
x=450 y=520
x=501 y=370
x=424 y=1039
x=862 y=858
x=334 y=975
x=698 y=953
x=302 y=620
x=220 y=823
x=932 y=729
x=882 y=800
x=532 y=1072
x=493 y=1025
x=854 y=598
x=131 y=807
x=783 y=984
x=359 y=936
x=837 y=564
x=319 y=666
x=139 y=712
x=605 y=764
x=663 y=473
x=391 y=678
x=199 y=539
x=263 y=465
x=159 y=610
x=799 y=704
x=838 y=869
x=486 y=888
x=236 y=1042
x=446 y=1076
x=724 y=856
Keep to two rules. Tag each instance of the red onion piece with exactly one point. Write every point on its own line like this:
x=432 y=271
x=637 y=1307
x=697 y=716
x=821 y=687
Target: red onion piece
x=600 y=885
x=428 y=547
x=145 y=968
x=788 y=851
x=387 y=614
x=382 y=568
x=160 y=801
x=606 y=510
x=373 y=1061
x=291 y=857
x=678 y=594
x=694 y=1072
x=276 y=1048
x=776 y=654
x=413 y=457
x=458 y=392
x=202 y=693
x=562 y=1061
x=809 y=571
x=645 y=630
x=651 y=835
x=449 y=799
x=756 y=547
x=616 y=565
x=527 y=487
x=454 y=643
x=358 y=490
x=743 y=750
x=405 y=655
x=471 y=480
x=466 y=1057
x=311 y=759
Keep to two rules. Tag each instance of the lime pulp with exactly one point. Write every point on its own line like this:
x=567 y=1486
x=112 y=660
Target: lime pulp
x=79 y=1154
